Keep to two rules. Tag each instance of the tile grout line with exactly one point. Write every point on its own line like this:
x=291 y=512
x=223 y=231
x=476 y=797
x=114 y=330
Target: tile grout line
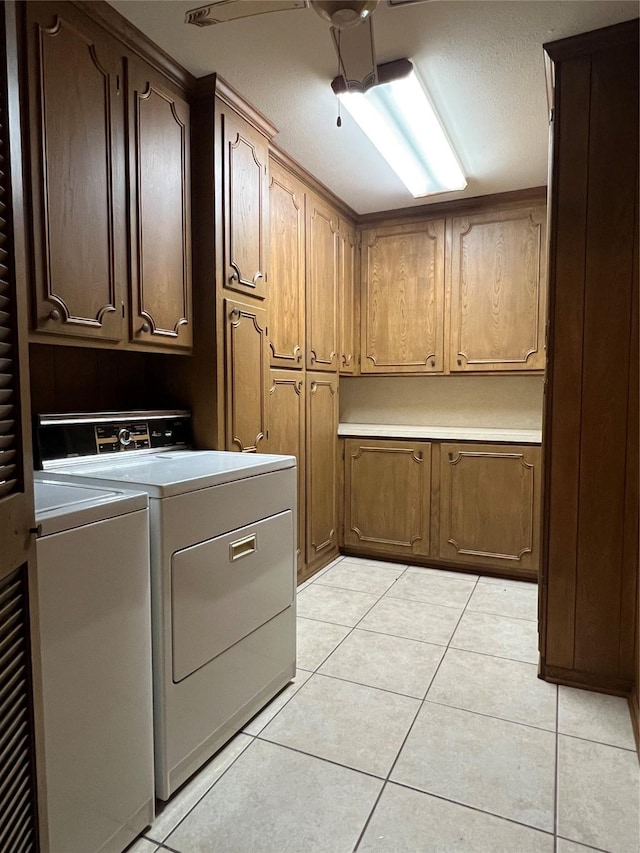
x=208 y=790
x=489 y=716
x=409 y=730
x=583 y=843
x=351 y=627
x=530 y=826
x=394 y=762
x=597 y=742
x=368 y=686
x=324 y=660
x=322 y=758
x=163 y=846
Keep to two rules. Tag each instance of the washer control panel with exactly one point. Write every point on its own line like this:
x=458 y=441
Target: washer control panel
x=114 y=438
x=74 y=436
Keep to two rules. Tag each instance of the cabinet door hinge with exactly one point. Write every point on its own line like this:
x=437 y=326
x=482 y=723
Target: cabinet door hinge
x=122 y=309
x=117 y=84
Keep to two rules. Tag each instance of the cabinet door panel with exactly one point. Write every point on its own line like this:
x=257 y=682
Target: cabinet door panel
x=246 y=199
x=490 y=506
x=498 y=284
x=286 y=269
x=322 y=286
x=348 y=257
x=403 y=299
x=76 y=106
x=387 y=496
x=245 y=367
x=286 y=415
x=321 y=468
x=159 y=174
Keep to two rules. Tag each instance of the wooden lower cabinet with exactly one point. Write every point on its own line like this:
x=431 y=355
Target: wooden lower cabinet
x=461 y=504
x=321 y=468
x=285 y=434
x=245 y=351
x=489 y=506
x=387 y=496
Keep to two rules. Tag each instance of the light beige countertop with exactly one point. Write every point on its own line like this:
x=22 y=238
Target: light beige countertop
x=441 y=433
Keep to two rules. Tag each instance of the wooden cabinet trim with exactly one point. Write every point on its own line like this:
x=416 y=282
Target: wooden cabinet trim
x=459 y=207
x=214 y=84
x=133 y=39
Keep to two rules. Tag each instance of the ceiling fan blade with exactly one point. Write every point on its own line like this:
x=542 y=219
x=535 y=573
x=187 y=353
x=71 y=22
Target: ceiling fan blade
x=221 y=11
x=356 y=55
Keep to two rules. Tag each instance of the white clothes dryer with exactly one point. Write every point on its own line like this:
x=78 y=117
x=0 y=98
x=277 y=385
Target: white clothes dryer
x=223 y=573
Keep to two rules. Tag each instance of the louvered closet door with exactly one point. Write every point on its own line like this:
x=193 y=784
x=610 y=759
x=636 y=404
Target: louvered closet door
x=17 y=773
x=16 y=490
x=18 y=823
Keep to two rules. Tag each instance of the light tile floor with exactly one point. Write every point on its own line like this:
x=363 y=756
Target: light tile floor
x=416 y=723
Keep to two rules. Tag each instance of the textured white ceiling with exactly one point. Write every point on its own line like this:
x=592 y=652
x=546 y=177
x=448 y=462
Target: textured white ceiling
x=481 y=61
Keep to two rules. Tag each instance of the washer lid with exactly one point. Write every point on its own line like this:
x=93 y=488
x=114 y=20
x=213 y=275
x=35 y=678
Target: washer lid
x=174 y=472
x=64 y=506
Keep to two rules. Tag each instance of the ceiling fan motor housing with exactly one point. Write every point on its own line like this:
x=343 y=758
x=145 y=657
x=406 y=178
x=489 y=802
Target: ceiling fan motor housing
x=344 y=14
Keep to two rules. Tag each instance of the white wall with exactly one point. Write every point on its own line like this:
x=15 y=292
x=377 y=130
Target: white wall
x=484 y=401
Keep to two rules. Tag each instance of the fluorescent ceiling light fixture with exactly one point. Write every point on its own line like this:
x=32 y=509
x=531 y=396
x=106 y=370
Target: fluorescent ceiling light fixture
x=399 y=118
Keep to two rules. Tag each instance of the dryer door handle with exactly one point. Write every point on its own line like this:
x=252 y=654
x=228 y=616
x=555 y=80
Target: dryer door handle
x=243 y=547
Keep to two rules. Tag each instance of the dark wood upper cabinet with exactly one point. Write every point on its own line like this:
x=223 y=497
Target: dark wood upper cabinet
x=160 y=210
x=109 y=141
x=76 y=141
x=246 y=205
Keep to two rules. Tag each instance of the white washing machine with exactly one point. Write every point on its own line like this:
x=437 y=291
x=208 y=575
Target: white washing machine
x=91 y=604
x=223 y=571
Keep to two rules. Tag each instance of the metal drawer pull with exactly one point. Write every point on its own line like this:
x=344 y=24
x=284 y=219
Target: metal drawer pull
x=243 y=547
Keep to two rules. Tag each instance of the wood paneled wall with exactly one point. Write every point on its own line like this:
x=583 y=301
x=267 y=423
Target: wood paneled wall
x=590 y=558
x=75 y=379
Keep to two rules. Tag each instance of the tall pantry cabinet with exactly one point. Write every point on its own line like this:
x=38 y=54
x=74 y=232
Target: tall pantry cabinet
x=267 y=265
x=229 y=373
x=306 y=327
x=590 y=542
